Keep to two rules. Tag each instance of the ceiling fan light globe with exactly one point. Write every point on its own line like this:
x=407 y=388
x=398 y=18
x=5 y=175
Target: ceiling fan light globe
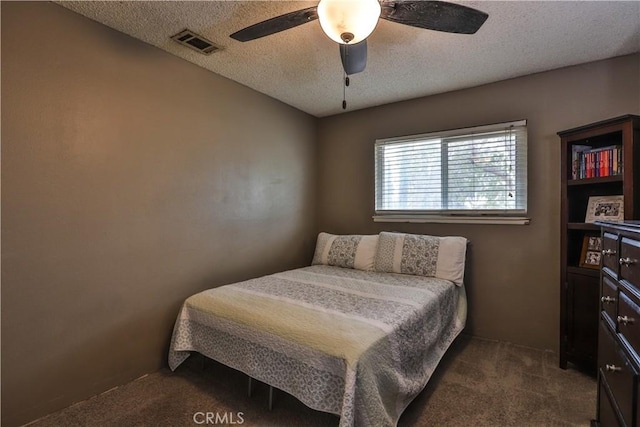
x=355 y=17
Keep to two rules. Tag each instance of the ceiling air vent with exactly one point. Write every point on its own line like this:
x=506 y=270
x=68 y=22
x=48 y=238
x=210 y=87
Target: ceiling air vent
x=196 y=42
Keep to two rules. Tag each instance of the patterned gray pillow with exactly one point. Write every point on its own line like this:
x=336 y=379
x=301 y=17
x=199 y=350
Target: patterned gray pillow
x=420 y=255
x=348 y=251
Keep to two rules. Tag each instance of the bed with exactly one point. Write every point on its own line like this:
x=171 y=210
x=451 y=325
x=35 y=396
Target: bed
x=355 y=334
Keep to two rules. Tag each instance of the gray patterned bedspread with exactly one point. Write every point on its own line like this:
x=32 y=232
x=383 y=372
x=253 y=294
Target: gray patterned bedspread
x=354 y=343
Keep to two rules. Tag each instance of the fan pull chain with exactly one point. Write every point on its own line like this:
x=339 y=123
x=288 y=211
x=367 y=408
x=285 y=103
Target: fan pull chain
x=344 y=91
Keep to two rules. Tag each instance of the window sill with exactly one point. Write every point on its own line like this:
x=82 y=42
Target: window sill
x=493 y=220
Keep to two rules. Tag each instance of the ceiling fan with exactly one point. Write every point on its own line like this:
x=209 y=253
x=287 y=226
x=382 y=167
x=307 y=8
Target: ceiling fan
x=350 y=22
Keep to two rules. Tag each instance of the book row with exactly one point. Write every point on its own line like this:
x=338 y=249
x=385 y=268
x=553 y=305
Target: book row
x=589 y=162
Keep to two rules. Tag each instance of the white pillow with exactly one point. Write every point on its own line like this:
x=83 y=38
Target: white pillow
x=421 y=255
x=348 y=251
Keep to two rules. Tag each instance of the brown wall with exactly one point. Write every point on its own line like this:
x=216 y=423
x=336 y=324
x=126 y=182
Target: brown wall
x=130 y=180
x=513 y=287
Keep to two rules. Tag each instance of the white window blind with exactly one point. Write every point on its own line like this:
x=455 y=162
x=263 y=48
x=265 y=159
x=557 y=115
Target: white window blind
x=473 y=171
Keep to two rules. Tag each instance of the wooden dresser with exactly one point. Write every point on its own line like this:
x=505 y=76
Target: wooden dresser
x=619 y=330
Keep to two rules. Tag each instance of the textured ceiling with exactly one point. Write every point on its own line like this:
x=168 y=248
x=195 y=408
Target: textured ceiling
x=302 y=68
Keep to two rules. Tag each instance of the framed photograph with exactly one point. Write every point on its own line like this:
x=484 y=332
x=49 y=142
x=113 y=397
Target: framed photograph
x=605 y=208
x=591 y=252
x=594 y=243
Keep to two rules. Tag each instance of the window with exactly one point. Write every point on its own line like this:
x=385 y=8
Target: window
x=466 y=172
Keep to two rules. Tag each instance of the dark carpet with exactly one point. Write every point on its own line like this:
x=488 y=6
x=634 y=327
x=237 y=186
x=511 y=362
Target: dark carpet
x=478 y=383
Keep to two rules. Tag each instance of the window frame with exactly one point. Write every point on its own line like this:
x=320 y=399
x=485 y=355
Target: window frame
x=497 y=216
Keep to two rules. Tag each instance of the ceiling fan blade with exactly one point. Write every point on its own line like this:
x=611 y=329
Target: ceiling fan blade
x=434 y=15
x=354 y=57
x=277 y=24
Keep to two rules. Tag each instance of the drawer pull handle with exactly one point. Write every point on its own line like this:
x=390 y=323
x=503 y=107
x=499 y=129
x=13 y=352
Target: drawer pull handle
x=608 y=252
x=607 y=300
x=625 y=320
x=627 y=261
x=612 y=368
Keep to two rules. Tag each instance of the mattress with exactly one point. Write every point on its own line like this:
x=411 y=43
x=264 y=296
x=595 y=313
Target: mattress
x=358 y=344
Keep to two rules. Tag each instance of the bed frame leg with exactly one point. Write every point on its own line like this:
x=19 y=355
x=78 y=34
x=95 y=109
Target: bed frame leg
x=250 y=392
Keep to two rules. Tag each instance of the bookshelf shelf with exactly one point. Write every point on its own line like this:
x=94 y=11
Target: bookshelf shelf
x=584 y=271
x=587 y=172
x=598 y=180
x=582 y=226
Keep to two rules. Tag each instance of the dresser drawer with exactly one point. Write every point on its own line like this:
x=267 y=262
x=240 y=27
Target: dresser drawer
x=630 y=261
x=617 y=372
x=606 y=411
x=609 y=299
x=610 y=253
x=628 y=320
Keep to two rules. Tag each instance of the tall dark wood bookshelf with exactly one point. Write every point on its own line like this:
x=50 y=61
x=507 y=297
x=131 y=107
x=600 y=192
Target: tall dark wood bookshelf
x=579 y=294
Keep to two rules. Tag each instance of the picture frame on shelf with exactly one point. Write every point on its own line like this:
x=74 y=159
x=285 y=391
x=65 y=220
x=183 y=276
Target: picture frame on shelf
x=591 y=255
x=605 y=208
x=594 y=243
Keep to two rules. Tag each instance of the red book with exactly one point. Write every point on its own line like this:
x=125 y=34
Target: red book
x=600 y=163
x=587 y=161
